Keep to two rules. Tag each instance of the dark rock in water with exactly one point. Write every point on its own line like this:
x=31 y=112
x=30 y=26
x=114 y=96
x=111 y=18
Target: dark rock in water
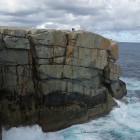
x=117 y=88
x=56 y=78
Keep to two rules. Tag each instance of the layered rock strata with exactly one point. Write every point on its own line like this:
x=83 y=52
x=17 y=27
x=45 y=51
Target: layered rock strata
x=56 y=78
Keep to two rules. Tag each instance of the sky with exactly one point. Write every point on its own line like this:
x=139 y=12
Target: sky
x=115 y=19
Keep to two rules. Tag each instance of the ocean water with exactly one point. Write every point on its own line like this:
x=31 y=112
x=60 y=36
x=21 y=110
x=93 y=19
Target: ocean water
x=122 y=123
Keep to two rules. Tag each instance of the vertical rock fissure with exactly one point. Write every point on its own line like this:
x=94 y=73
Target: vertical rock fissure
x=35 y=74
x=66 y=51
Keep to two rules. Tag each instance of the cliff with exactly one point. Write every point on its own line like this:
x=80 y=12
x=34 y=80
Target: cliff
x=56 y=78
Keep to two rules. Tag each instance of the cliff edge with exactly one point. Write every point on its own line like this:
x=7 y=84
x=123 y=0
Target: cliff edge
x=56 y=78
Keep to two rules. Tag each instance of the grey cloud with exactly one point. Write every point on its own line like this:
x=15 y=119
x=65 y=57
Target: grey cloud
x=76 y=10
x=18 y=14
x=98 y=16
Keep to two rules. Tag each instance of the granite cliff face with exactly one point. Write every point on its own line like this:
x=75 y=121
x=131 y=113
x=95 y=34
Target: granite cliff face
x=56 y=78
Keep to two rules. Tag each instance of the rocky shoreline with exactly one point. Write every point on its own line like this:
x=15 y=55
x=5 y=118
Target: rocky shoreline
x=56 y=78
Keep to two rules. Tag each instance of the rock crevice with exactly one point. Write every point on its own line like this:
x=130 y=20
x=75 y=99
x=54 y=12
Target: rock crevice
x=56 y=78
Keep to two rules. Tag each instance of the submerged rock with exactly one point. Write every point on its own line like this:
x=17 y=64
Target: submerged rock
x=56 y=78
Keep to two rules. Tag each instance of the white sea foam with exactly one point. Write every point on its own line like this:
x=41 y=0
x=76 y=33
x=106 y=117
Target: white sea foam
x=132 y=83
x=121 y=123
x=127 y=115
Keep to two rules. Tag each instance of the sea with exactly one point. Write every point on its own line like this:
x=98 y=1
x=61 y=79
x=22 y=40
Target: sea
x=122 y=123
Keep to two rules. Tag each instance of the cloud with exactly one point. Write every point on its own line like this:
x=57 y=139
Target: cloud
x=101 y=16
x=52 y=25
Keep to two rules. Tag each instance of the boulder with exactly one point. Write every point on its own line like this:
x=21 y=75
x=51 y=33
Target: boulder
x=118 y=89
x=91 y=40
x=90 y=58
x=49 y=51
x=44 y=52
x=17 y=79
x=44 y=61
x=66 y=71
x=112 y=71
x=113 y=52
x=74 y=72
x=50 y=37
x=14 y=57
x=16 y=43
x=59 y=60
x=50 y=86
x=13 y=31
x=50 y=71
